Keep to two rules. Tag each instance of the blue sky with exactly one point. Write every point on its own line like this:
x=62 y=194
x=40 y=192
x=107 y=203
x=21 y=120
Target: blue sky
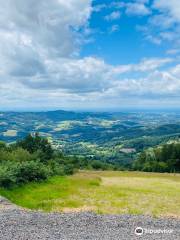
x=118 y=40
x=84 y=54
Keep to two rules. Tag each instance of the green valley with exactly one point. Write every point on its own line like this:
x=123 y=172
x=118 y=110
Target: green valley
x=109 y=137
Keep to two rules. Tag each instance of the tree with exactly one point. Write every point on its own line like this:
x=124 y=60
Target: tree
x=39 y=145
x=164 y=158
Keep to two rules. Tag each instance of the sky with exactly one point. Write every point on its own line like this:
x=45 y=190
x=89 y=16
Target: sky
x=89 y=54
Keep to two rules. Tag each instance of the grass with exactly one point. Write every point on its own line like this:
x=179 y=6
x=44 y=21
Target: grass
x=103 y=192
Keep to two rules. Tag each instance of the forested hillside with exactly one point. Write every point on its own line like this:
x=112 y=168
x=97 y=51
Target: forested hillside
x=164 y=158
x=115 y=138
x=34 y=159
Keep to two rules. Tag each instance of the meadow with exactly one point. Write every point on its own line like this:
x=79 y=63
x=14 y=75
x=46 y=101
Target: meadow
x=109 y=192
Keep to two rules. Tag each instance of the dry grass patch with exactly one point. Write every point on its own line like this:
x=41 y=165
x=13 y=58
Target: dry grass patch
x=104 y=192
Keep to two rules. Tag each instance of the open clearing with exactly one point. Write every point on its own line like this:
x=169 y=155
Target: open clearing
x=103 y=192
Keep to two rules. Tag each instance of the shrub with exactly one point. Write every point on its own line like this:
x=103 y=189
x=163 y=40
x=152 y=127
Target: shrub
x=56 y=168
x=2 y=145
x=32 y=171
x=98 y=165
x=69 y=169
x=13 y=173
x=7 y=177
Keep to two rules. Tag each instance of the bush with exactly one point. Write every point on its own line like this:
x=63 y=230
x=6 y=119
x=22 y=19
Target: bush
x=98 y=165
x=18 y=173
x=69 y=169
x=2 y=145
x=57 y=169
x=7 y=177
x=32 y=171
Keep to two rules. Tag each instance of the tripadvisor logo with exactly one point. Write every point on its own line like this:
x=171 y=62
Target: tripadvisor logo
x=139 y=231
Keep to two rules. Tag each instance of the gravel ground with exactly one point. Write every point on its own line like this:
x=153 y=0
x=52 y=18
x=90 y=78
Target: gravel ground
x=19 y=224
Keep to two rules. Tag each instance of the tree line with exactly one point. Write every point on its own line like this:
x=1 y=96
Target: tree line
x=164 y=158
x=34 y=159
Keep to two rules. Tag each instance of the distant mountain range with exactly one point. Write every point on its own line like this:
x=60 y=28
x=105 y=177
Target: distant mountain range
x=94 y=135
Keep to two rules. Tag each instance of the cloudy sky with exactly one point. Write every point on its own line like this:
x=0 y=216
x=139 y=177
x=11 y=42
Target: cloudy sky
x=85 y=54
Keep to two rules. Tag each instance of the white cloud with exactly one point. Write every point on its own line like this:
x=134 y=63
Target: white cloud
x=74 y=75
x=171 y=7
x=161 y=20
x=165 y=84
x=137 y=8
x=146 y=65
x=164 y=24
x=99 y=7
x=173 y=51
x=114 y=28
x=34 y=33
x=40 y=65
x=86 y=75
x=41 y=26
x=113 y=16
x=117 y=4
x=91 y=81
x=44 y=23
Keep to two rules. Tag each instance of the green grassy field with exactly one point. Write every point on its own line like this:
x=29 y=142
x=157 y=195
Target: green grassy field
x=103 y=192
